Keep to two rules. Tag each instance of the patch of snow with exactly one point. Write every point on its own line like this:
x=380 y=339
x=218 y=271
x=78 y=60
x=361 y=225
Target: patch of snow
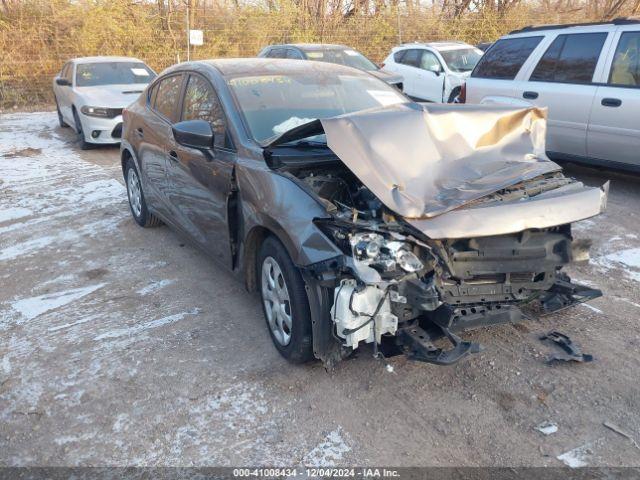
x=6 y=365
x=154 y=286
x=32 y=307
x=121 y=423
x=547 y=428
x=26 y=247
x=629 y=257
x=70 y=400
x=628 y=260
x=72 y=324
x=243 y=421
x=578 y=457
x=136 y=329
x=592 y=308
x=328 y=452
x=626 y=300
x=14 y=213
x=30 y=247
x=583 y=225
x=64 y=278
x=73 y=438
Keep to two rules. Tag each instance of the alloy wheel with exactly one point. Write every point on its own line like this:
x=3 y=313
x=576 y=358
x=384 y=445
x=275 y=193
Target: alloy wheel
x=135 y=192
x=277 y=304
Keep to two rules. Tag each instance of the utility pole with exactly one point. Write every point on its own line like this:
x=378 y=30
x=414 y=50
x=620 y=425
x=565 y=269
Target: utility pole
x=188 y=34
x=398 y=18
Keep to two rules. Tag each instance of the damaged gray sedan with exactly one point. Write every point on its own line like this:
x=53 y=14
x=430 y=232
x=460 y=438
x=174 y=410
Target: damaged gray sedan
x=359 y=216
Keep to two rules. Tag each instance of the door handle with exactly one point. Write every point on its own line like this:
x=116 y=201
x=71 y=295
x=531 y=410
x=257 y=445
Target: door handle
x=140 y=132
x=530 y=95
x=611 y=102
x=173 y=156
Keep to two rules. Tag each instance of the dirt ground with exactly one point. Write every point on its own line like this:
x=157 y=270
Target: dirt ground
x=126 y=346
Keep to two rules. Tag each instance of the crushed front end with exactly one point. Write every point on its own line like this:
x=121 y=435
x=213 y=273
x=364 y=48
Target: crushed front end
x=442 y=228
x=420 y=290
x=402 y=291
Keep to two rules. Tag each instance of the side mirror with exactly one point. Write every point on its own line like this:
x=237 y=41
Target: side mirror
x=63 y=82
x=193 y=133
x=435 y=68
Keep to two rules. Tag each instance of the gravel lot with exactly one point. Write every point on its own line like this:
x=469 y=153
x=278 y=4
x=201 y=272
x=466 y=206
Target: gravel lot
x=126 y=346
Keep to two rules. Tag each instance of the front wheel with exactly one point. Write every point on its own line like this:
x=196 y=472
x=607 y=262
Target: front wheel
x=84 y=145
x=284 y=302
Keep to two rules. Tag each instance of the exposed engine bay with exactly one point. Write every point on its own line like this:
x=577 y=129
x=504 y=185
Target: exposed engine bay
x=396 y=282
x=441 y=229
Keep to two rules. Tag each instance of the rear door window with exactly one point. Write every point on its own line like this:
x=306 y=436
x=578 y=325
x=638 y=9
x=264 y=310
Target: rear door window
x=295 y=54
x=277 y=53
x=625 y=69
x=412 y=58
x=505 y=58
x=167 y=97
x=571 y=58
x=397 y=57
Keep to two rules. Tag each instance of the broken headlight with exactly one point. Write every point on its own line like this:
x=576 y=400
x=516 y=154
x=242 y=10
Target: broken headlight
x=384 y=255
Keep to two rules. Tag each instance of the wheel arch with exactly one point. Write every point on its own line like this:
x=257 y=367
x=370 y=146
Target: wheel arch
x=251 y=246
x=127 y=153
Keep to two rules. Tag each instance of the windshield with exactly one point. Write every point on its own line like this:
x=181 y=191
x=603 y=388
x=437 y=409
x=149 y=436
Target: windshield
x=274 y=104
x=112 y=73
x=347 y=57
x=462 y=59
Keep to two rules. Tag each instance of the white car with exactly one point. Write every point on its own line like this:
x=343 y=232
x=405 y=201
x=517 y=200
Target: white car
x=91 y=92
x=433 y=72
x=587 y=75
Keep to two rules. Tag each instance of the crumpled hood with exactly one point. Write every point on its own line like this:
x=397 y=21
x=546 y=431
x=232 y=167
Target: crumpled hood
x=424 y=160
x=112 y=96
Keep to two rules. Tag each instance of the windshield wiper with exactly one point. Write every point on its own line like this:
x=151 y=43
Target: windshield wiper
x=304 y=144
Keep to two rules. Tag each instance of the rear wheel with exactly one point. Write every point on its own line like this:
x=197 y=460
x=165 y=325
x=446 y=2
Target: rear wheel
x=84 y=145
x=284 y=302
x=137 y=203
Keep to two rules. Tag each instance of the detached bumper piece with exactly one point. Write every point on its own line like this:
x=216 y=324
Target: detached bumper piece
x=564 y=294
x=418 y=344
x=572 y=352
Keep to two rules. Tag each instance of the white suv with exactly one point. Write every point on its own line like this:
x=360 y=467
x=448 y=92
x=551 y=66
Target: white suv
x=587 y=75
x=433 y=72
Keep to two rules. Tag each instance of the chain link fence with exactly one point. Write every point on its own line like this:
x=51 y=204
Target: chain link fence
x=37 y=37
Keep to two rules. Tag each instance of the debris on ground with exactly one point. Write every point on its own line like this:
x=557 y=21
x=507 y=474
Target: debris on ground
x=547 y=428
x=23 y=152
x=577 y=457
x=620 y=431
x=572 y=351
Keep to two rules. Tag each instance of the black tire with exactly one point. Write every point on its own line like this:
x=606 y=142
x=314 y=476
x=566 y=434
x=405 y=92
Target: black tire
x=84 y=145
x=141 y=213
x=299 y=349
x=454 y=93
x=61 y=121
